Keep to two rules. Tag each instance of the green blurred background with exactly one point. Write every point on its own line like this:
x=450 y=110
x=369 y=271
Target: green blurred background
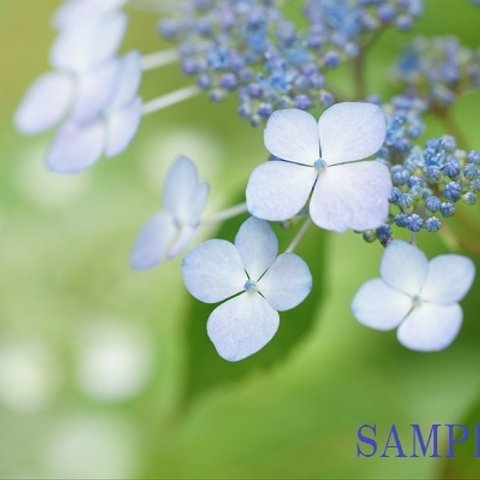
x=108 y=373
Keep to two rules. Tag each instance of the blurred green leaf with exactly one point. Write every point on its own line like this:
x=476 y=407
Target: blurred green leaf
x=206 y=369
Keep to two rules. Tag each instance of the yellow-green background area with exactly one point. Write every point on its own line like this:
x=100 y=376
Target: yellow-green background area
x=289 y=412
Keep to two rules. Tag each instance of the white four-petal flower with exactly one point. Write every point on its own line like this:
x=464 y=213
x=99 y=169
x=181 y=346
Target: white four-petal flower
x=260 y=282
x=167 y=233
x=321 y=161
x=419 y=297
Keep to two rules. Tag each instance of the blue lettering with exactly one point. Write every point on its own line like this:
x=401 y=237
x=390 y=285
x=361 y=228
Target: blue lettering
x=396 y=443
x=451 y=437
x=366 y=440
x=432 y=437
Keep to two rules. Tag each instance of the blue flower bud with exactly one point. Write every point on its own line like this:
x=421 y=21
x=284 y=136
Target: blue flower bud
x=414 y=222
x=447 y=209
x=432 y=203
x=433 y=224
x=452 y=191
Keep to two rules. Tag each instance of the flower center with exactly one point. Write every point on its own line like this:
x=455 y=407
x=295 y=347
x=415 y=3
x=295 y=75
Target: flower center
x=320 y=165
x=416 y=300
x=250 y=286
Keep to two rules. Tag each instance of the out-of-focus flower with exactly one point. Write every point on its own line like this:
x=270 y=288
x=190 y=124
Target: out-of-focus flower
x=28 y=375
x=167 y=233
x=108 y=127
x=73 y=12
x=260 y=282
x=438 y=69
x=324 y=158
x=114 y=360
x=419 y=297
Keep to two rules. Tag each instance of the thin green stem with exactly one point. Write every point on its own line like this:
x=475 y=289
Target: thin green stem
x=298 y=237
x=226 y=214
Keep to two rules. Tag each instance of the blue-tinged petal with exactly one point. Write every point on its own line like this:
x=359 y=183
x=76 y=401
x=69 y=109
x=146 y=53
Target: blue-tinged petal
x=376 y=305
x=122 y=125
x=257 y=245
x=404 y=267
x=430 y=327
x=242 y=326
x=180 y=188
x=74 y=11
x=184 y=237
x=94 y=91
x=448 y=280
x=292 y=135
x=154 y=241
x=213 y=271
x=287 y=282
x=278 y=190
x=128 y=80
x=76 y=147
x=198 y=202
x=86 y=45
x=46 y=102
x=351 y=131
x=352 y=196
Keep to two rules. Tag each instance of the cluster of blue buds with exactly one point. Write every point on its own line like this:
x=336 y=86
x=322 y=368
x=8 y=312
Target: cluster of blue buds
x=252 y=49
x=404 y=126
x=428 y=185
x=345 y=23
x=438 y=69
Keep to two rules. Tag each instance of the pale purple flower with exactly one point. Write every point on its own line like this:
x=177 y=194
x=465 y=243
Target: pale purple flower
x=320 y=162
x=255 y=282
x=418 y=297
x=167 y=233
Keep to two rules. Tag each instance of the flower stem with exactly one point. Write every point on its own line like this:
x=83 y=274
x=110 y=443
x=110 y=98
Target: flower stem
x=159 y=59
x=298 y=237
x=226 y=214
x=170 y=99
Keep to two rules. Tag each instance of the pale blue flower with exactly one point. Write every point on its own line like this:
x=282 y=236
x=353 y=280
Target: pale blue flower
x=76 y=11
x=167 y=233
x=417 y=296
x=254 y=280
x=87 y=44
x=322 y=161
x=102 y=122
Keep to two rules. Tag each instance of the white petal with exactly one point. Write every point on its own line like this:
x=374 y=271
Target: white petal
x=153 y=242
x=85 y=45
x=186 y=234
x=404 y=267
x=449 y=278
x=74 y=11
x=180 y=189
x=76 y=147
x=278 y=190
x=128 y=80
x=242 y=326
x=46 y=102
x=292 y=135
x=122 y=125
x=430 y=327
x=213 y=271
x=351 y=196
x=94 y=91
x=258 y=246
x=351 y=131
x=378 y=306
x=287 y=282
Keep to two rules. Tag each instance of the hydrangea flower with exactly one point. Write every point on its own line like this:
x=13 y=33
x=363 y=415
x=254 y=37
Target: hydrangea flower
x=167 y=233
x=83 y=76
x=75 y=11
x=419 y=297
x=254 y=280
x=322 y=161
x=104 y=125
